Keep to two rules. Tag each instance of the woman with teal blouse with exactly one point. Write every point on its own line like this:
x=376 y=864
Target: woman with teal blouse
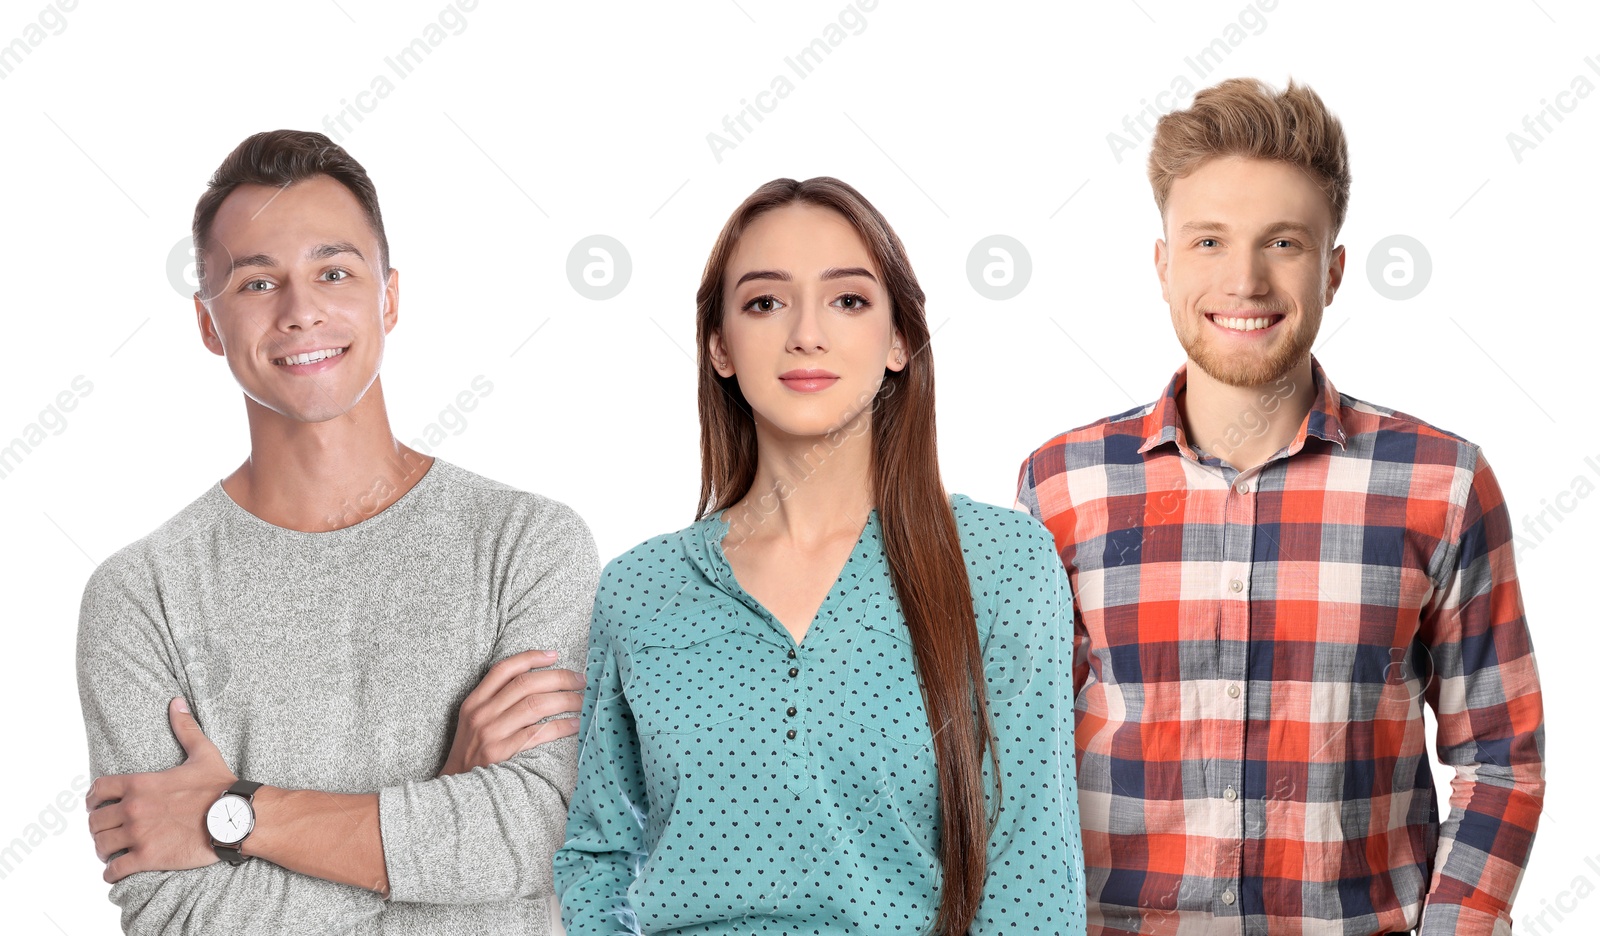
x=759 y=751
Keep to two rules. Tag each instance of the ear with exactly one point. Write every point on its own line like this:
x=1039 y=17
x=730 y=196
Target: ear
x=720 y=360
x=1335 y=273
x=899 y=358
x=208 y=328
x=391 y=300
x=1161 y=268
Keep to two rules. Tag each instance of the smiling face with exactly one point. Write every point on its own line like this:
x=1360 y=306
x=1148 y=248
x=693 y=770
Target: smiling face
x=1247 y=266
x=807 y=327
x=298 y=302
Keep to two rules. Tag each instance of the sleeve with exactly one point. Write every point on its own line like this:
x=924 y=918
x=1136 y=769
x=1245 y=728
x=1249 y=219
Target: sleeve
x=1035 y=881
x=127 y=671
x=1485 y=692
x=1028 y=500
x=605 y=845
x=490 y=834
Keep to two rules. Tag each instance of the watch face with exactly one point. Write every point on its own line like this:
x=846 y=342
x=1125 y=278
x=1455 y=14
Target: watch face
x=230 y=819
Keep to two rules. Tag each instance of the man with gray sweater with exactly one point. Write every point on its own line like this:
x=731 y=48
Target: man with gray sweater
x=320 y=699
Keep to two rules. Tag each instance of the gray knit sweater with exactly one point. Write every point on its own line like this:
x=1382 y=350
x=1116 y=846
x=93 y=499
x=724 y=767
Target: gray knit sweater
x=337 y=661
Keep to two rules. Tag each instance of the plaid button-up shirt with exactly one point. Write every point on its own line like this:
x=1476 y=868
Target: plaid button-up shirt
x=1252 y=655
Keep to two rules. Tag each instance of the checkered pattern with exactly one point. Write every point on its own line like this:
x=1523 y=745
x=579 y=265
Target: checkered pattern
x=1251 y=658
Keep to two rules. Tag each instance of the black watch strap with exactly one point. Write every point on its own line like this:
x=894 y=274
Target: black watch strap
x=231 y=853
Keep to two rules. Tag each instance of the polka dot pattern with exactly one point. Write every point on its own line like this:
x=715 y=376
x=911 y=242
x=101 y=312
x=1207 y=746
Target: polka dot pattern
x=734 y=781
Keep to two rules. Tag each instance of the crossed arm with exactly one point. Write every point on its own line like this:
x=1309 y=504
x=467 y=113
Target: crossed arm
x=155 y=821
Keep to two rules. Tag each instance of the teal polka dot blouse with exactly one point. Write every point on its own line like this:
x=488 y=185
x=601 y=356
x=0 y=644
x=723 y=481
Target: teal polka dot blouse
x=731 y=780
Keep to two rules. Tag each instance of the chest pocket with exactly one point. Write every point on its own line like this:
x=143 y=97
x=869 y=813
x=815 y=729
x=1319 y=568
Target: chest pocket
x=695 y=668
x=882 y=706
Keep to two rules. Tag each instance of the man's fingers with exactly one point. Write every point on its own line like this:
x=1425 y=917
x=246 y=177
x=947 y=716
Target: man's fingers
x=506 y=670
x=188 y=730
x=121 y=867
x=109 y=787
x=111 y=841
x=106 y=817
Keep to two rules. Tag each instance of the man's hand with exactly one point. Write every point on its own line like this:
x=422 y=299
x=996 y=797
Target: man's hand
x=158 y=820
x=501 y=717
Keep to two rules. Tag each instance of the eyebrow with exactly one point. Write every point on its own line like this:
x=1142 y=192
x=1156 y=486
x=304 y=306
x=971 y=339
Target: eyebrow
x=319 y=252
x=1277 y=227
x=783 y=276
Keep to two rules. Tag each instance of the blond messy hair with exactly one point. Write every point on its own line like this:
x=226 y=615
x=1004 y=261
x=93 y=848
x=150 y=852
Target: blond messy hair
x=1246 y=117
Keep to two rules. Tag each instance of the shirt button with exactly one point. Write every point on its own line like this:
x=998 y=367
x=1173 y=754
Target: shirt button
x=1229 y=794
x=1235 y=585
x=1243 y=488
x=792 y=710
x=794 y=671
x=1233 y=690
x=1227 y=897
x=791 y=653
x=790 y=734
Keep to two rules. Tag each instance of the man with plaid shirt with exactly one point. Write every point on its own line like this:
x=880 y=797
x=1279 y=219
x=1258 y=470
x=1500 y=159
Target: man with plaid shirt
x=1271 y=578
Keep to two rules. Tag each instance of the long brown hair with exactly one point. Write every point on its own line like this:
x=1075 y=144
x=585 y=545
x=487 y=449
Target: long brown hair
x=920 y=536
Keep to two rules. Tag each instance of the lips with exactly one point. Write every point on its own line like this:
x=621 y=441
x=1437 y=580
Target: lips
x=808 y=380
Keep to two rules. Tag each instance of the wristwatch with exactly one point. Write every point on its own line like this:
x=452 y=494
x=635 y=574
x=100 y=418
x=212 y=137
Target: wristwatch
x=230 y=820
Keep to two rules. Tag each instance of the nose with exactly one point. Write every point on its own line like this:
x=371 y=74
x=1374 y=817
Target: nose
x=1246 y=273
x=298 y=309
x=806 y=329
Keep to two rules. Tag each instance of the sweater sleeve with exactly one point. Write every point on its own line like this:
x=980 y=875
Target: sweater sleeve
x=128 y=669
x=1035 y=880
x=490 y=834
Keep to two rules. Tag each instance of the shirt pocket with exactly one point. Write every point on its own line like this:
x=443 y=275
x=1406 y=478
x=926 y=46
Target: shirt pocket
x=882 y=704
x=693 y=669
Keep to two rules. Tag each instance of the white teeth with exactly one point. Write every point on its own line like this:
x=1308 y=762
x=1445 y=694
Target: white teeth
x=311 y=356
x=1242 y=324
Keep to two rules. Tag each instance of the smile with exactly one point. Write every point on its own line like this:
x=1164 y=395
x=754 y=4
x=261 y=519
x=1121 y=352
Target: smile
x=309 y=357
x=1245 y=323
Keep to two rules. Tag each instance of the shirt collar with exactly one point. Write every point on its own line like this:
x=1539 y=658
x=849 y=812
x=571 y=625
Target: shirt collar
x=1165 y=424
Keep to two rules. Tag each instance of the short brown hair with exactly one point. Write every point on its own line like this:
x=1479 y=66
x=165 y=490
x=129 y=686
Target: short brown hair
x=281 y=158
x=1246 y=117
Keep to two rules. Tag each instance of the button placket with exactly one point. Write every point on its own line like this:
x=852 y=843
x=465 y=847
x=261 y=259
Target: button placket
x=797 y=755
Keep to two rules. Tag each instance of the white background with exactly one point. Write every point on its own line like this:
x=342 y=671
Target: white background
x=531 y=128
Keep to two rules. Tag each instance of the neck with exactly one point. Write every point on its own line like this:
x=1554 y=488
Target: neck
x=807 y=489
x=1244 y=426
x=322 y=476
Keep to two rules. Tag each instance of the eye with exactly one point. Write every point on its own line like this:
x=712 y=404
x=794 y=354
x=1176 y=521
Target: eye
x=767 y=303
x=245 y=287
x=1208 y=242
x=346 y=274
x=1283 y=242
x=853 y=302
